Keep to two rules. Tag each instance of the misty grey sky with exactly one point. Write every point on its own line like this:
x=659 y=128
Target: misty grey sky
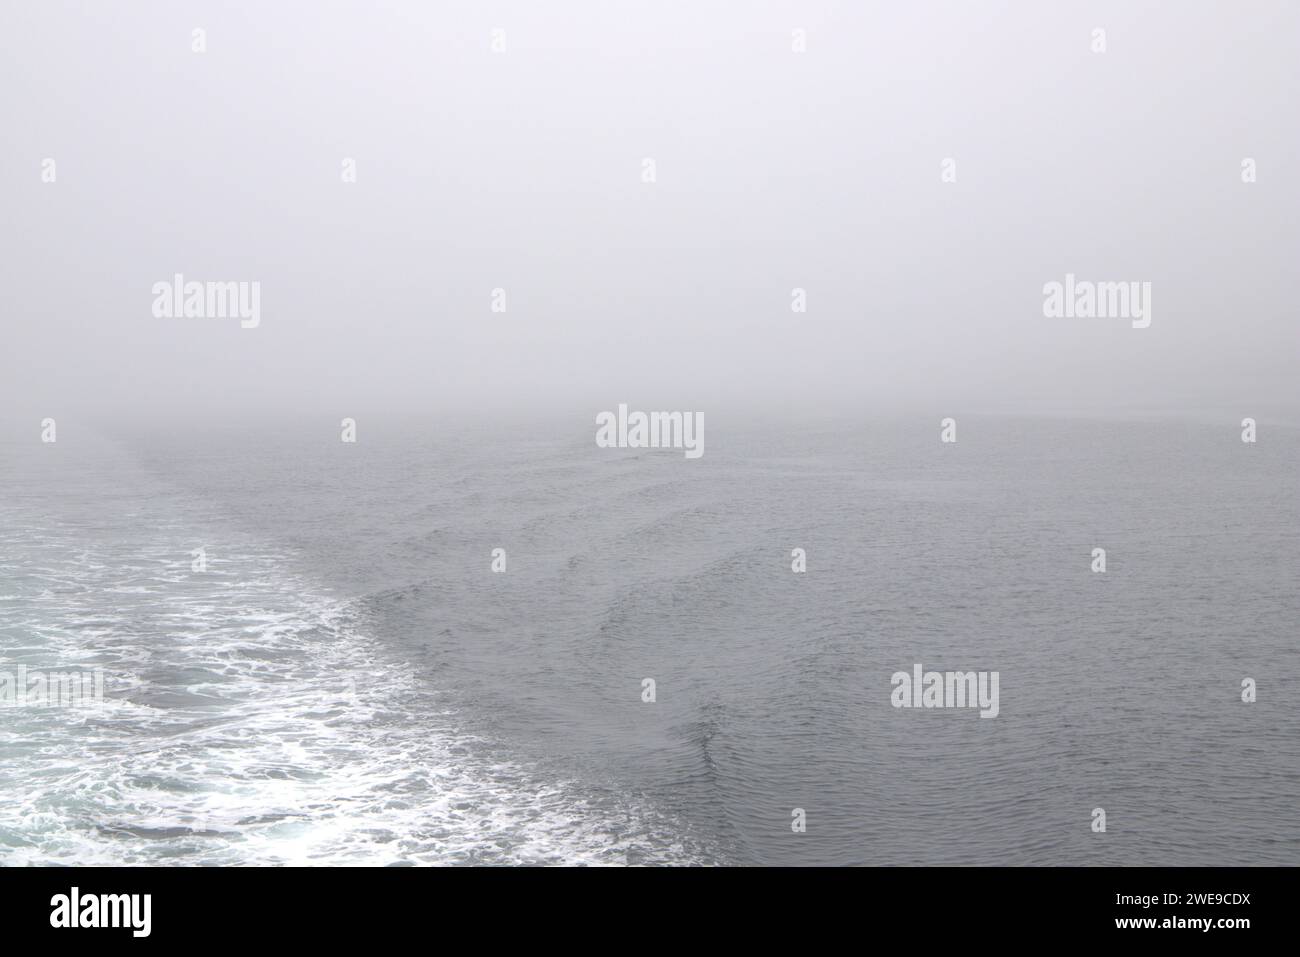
x=522 y=170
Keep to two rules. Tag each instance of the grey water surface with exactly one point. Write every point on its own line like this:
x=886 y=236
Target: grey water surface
x=348 y=681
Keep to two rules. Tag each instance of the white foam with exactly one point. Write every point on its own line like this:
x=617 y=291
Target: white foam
x=252 y=720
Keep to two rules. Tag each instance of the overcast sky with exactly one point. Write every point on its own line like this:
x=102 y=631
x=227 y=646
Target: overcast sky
x=523 y=170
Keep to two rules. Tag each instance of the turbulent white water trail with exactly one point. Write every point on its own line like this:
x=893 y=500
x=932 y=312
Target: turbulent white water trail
x=249 y=718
